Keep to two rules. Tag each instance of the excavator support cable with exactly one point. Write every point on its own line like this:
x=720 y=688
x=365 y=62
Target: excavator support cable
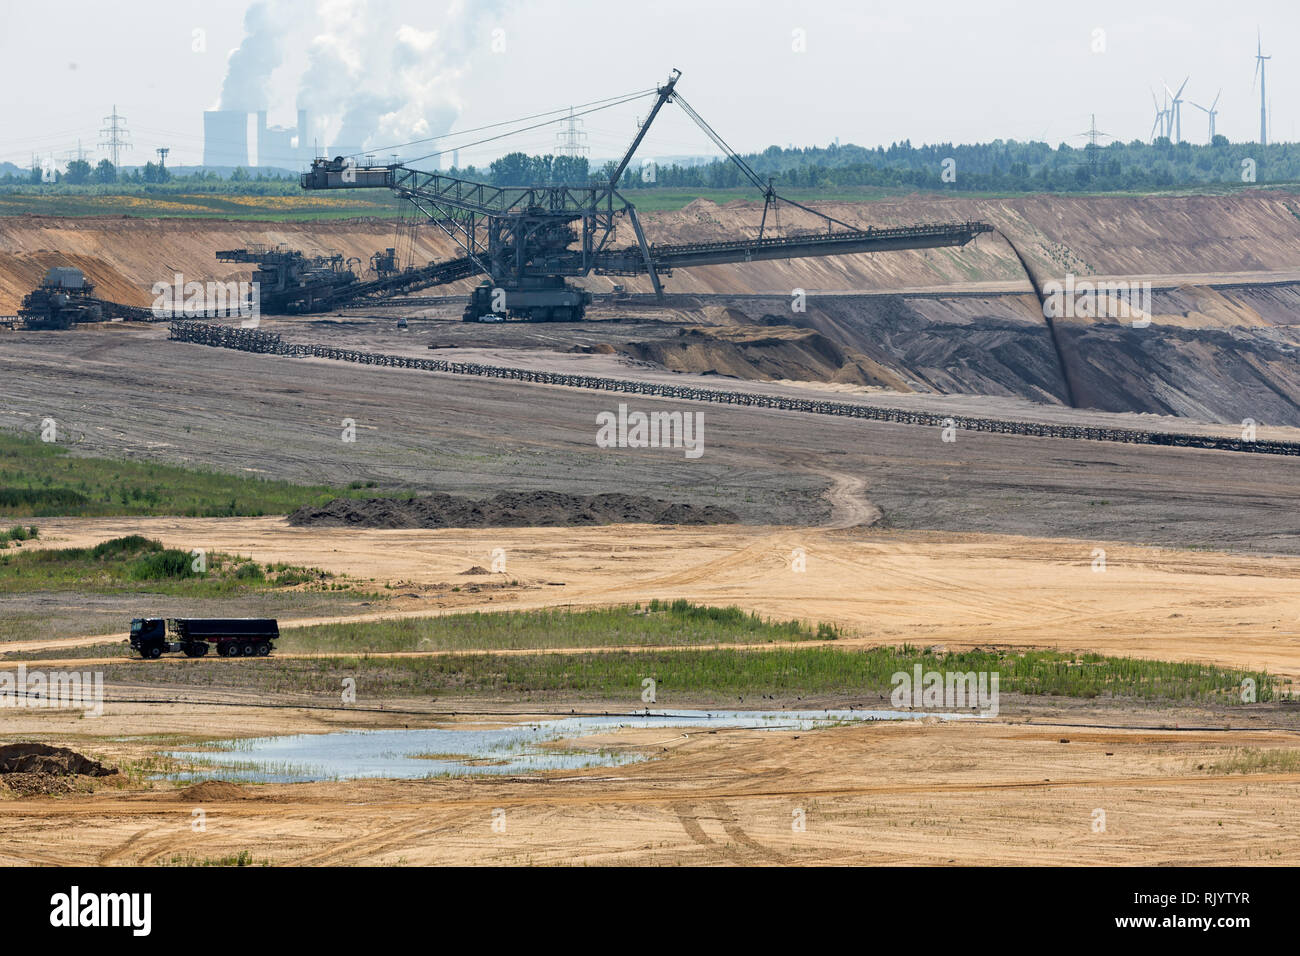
x=560 y=114
x=770 y=195
x=526 y=129
x=709 y=131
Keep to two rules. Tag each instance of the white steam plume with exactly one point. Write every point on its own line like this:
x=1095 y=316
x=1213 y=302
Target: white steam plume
x=378 y=72
x=249 y=68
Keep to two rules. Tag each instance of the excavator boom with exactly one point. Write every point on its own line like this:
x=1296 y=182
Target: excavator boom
x=528 y=240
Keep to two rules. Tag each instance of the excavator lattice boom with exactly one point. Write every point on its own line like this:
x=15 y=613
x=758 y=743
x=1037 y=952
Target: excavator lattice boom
x=530 y=240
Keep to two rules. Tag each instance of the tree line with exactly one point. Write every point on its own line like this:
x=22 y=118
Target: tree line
x=998 y=166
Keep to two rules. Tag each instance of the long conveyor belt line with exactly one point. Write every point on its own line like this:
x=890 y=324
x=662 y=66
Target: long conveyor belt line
x=254 y=340
x=130 y=313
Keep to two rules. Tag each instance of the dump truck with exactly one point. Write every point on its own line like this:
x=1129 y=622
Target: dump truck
x=194 y=636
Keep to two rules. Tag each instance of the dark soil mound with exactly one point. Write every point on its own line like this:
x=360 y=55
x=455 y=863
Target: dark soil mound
x=508 y=510
x=36 y=784
x=53 y=761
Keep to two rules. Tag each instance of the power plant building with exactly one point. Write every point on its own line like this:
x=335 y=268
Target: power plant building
x=225 y=138
x=239 y=138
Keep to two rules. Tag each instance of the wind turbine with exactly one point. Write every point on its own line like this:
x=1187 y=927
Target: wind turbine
x=1160 y=119
x=1260 y=62
x=1211 y=112
x=1162 y=116
x=1176 y=112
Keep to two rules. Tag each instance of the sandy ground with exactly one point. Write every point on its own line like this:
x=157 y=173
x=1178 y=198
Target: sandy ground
x=934 y=793
x=1032 y=787
x=882 y=587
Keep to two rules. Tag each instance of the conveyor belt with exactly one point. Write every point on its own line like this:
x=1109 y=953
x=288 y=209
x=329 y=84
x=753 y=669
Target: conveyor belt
x=253 y=340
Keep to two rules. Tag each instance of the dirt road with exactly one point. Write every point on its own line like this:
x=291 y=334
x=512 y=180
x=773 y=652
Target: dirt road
x=880 y=586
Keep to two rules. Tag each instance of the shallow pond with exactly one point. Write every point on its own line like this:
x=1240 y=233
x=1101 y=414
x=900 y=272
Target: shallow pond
x=475 y=748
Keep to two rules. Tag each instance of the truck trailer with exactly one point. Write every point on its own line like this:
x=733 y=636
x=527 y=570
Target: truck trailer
x=231 y=636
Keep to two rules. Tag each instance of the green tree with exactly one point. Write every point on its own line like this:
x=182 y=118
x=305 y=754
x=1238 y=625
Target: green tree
x=513 y=169
x=78 y=172
x=570 y=169
x=105 y=172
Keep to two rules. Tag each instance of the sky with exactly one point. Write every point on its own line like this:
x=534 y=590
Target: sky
x=762 y=72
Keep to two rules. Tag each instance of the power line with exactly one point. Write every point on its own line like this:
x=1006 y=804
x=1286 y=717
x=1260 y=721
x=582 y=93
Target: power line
x=571 y=140
x=614 y=101
x=117 y=136
x=610 y=101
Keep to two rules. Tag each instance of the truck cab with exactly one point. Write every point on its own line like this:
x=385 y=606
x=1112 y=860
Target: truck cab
x=149 y=636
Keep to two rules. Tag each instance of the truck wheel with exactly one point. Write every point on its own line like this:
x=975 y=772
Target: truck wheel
x=155 y=651
x=223 y=650
x=248 y=650
x=200 y=650
x=263 y=649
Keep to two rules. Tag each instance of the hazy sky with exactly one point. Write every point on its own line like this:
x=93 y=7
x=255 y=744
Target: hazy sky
x=869 y=72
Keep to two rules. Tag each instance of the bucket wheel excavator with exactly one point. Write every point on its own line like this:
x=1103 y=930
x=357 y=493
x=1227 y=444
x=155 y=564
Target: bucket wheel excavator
x=529 y=241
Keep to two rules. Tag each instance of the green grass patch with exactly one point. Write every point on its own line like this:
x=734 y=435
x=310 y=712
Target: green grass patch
x=723 y=674
x=39 y=479
x=289 y=207
x=19 y=533
x=137 y=563
x=140 y=771
x=1254 y=760
x=116 y=648
x=658 y=623
x=289 y=203
x=24 y=500
x=318 y=207
x=242 y=858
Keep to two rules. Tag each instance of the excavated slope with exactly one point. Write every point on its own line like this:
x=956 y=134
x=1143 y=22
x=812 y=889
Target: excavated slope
x=1218 y=353
x=1244 y=232
x=757 y=352
x=124 y=257
x=1239 y=360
